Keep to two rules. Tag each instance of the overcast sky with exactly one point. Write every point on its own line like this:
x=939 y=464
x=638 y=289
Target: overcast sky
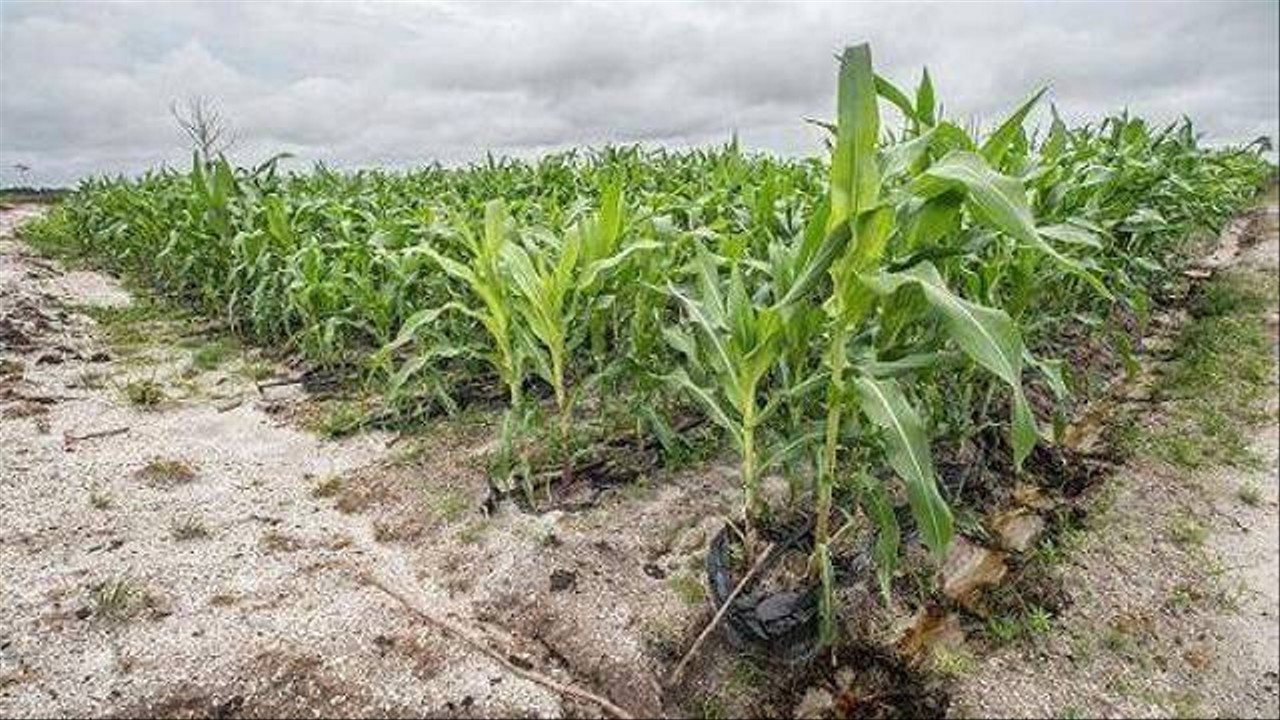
x=85 y=87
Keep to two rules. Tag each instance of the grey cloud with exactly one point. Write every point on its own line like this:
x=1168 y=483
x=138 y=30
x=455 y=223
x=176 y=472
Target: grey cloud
x=85 y=87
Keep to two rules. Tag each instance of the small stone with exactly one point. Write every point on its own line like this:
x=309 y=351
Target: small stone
x=563 y=580
x=1017 y=529
x=969 y=568
x=930 y=630
x=816 y=703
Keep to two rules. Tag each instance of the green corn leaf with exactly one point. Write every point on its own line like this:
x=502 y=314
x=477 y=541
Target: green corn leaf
x=999 y=201
x=790 y=449
x=712 y=332
x=1072 y=234
x=988 y=336
x=680 y=378
x=933 y=220
x=1056 y=143
x=592 y=272
x=925 y=110
x=998 y=143
x=414 y=323
x=907 y=451
x=495 y=227
x=890 y=92
x=903 y=156
x=855 y=179
x=812 y=273
x=875 y=502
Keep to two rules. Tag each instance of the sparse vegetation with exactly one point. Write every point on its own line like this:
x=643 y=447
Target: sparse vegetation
x=100 y=499
x=117 y=599
x=329 y=486
x=166 y=472
x=145 y=392
x=952 y=662
x=189 y=527
x=1250 y=494
x=1219 y=378
x=450 y=505
x=212 y=354
x=688 y=588
x=1187 y=531
x=339 y=419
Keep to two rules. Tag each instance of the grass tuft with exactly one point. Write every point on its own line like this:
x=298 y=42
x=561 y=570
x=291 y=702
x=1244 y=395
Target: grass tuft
x=116 y=600
x=212 y=354
x=144 y=393
x=1250 y=494
x=166 y=473
x=189 y=527
x=688 y=589
x=329 y=486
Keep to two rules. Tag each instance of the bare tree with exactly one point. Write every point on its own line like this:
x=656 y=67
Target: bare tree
x=204 y=124
x=24 y=172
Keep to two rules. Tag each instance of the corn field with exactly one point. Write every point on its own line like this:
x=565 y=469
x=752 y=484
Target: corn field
x=835 y=319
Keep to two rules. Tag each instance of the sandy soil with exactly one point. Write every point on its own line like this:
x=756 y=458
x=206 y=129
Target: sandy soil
x=1175 y=609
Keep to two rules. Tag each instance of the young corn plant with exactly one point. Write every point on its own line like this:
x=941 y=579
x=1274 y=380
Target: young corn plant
x=868 y=359
x=733 y=348
x=555 y=300
x=486 y=277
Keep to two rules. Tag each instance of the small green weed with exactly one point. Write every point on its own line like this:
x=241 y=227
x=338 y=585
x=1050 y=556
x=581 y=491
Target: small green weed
x=189 y=527
x=117 y=599
x=166 y=473
x=688 y=589
x=212 y=354
x=1250 y=494
x=146 y=393
x=329 y=486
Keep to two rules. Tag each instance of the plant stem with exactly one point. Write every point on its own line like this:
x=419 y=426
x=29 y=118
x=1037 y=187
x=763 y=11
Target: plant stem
x=750 y=483
x=827 y=472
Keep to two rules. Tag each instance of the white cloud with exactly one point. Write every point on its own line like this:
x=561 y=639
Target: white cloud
x=85 y=87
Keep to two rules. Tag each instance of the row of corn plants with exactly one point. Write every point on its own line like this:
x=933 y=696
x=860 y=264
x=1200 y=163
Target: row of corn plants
x=835 y=318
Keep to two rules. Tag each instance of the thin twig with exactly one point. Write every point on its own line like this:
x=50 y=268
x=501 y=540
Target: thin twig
x=724 y=609
x=278 y=382
x=230 y=404
x=465 y=635
x=68 y=439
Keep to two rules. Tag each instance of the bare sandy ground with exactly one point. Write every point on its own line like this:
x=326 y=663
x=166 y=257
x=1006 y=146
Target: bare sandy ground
x=1175 y=608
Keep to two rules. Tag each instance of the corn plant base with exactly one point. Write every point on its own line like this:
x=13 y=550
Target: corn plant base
x=780 y=627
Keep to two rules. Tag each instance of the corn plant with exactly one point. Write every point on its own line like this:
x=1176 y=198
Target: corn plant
x=869 y=300
x=555 y=298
